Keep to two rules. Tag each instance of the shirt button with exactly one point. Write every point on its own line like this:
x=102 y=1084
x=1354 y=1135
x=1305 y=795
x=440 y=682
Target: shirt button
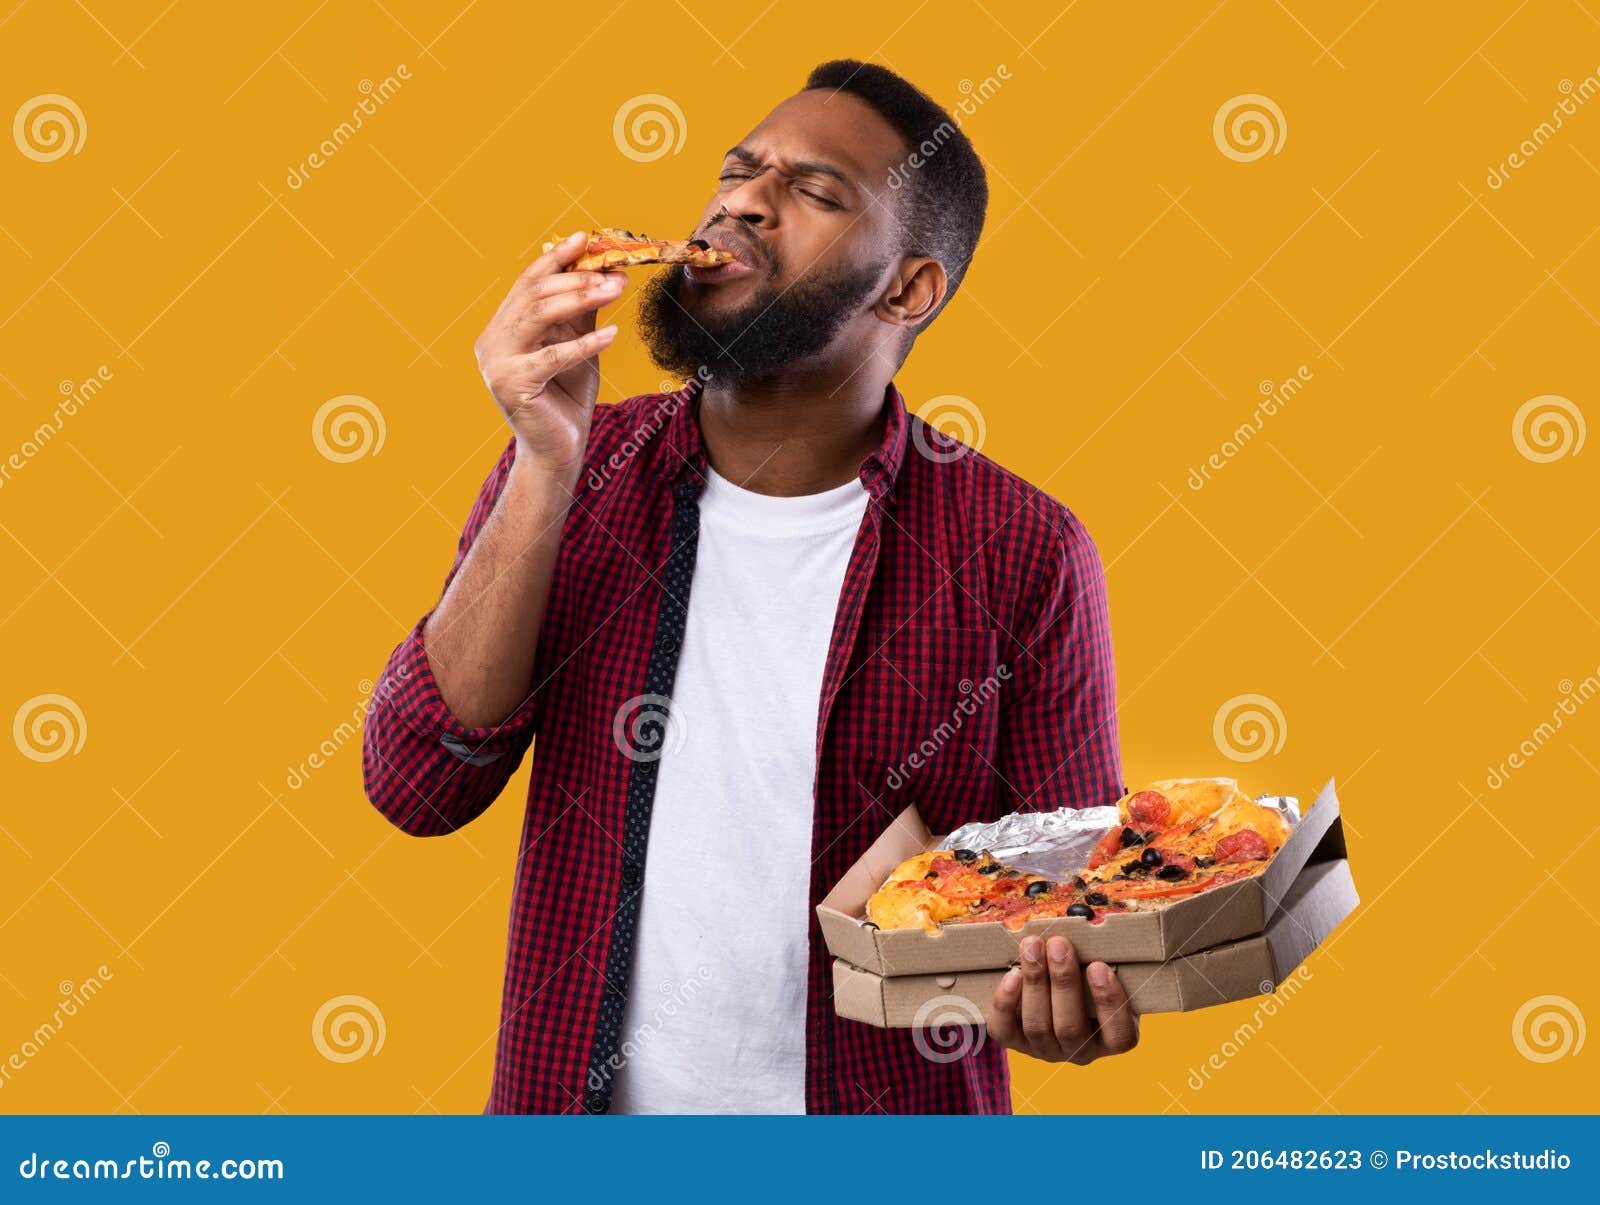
x=595 y=1102
x=670 y=644
x=630 y=874
x=612 y=989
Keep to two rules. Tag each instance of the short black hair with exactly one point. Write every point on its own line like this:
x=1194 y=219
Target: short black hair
x=944 y=194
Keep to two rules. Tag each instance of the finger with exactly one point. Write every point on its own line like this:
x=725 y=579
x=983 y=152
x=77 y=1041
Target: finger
x=559 y=255
x=1073 y=1030
x=566 y=282
x=1119 y=1028
x=537 y=313
x=530 y=289
x=1004 y=1026
x=1037 y=1028
x=537 y=367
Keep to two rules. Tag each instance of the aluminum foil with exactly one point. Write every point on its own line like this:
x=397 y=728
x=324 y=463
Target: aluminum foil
x=1057 y=844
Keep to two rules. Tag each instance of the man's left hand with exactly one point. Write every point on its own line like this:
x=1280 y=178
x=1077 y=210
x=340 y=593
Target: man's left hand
x=1039 y=1008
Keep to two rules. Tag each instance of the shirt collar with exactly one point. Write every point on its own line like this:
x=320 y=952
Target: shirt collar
x=685 y=451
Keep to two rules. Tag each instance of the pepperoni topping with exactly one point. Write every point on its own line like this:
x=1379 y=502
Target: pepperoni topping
x=1149 y=809
x=1246 y=845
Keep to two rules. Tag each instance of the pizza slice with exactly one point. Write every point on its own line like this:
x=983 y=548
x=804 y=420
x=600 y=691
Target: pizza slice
x=613 y=247
x=940 y=885
x=1195 y=855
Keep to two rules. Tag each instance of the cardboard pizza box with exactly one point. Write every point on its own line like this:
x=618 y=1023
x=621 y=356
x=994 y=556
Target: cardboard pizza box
x=1211 y=918
x=1317 y=902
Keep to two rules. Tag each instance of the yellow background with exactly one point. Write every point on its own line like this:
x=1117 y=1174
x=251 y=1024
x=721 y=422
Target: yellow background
x=1380 y=561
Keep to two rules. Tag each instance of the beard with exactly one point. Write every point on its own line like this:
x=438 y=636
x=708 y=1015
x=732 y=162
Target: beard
x=771 y=331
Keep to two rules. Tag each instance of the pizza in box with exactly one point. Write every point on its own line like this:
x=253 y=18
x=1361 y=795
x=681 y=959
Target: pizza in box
x=1174 y=839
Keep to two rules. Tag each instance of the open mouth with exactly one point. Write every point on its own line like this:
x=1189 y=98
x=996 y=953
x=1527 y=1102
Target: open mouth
x=744 y=260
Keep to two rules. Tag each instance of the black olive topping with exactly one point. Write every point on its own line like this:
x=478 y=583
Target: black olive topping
x=932 y=874
x=1097 y=897
x=1039 y=887
x=964 y=855
x=1202 y=861
x=701 y=243
x=1081 y=910
x=1151 y=857
x=1129 y=837
x=1172 y=873
x=992 y=868
x=1077 y=881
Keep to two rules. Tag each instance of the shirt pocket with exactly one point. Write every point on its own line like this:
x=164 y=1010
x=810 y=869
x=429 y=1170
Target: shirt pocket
x=926 y=706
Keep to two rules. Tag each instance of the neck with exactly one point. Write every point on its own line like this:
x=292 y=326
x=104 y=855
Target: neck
x=795 y=436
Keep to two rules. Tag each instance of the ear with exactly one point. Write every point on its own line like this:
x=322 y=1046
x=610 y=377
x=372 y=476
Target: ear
x=914 y=292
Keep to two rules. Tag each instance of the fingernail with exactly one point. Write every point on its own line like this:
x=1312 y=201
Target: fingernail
x=606 y=332
x=1057 y=949
x=1031 y=950
x=1099 y=974
x=575 y=236
x=1012 y=980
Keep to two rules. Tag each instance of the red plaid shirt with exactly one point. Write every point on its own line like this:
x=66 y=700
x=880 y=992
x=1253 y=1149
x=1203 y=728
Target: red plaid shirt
x=963 y=578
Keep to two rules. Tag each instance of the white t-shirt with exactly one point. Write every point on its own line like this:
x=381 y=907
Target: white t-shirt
x=715 y=1020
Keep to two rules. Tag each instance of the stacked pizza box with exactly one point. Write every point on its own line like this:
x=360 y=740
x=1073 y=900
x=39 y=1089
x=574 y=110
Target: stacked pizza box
x=1238 y=940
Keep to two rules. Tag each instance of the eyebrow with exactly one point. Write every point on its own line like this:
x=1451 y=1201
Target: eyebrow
x=804 y=167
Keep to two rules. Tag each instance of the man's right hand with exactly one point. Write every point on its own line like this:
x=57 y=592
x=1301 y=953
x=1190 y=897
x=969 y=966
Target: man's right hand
x=538 y=355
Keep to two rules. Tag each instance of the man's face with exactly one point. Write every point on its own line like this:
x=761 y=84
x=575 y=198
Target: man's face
x=803 y=202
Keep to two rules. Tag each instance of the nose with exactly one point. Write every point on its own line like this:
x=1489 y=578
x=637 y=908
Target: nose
x=750 y=203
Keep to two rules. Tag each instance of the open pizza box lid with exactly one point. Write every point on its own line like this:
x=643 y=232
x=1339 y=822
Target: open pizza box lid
x=1319 y=899
x=1223 y=914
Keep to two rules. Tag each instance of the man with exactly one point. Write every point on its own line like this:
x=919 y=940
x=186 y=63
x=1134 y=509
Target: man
x=750 y=622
